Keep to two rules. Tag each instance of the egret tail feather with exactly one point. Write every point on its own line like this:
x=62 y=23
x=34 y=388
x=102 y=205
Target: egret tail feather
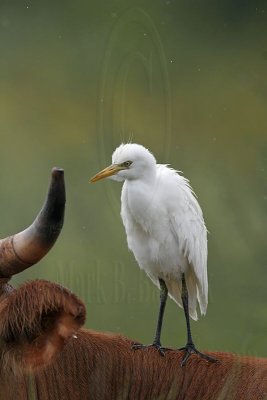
x=175 y=293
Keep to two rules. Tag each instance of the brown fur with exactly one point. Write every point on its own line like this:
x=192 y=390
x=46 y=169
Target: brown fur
x=35 y=322
x=103 y=367
x=38 y=319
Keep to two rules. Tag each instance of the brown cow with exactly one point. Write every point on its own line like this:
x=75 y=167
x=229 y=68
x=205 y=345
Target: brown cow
x=46 y=356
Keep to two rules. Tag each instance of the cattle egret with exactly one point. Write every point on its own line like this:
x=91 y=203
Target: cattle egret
x=165 y=231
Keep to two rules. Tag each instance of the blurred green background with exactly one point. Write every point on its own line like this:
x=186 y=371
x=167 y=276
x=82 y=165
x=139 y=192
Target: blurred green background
x=186 y=79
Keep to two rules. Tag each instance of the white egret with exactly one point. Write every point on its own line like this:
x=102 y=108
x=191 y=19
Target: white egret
x=165 y=231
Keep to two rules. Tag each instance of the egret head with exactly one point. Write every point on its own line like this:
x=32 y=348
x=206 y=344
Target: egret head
x=129 y=161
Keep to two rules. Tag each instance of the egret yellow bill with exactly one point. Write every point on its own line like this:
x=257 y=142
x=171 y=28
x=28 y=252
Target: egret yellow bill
x=165 y=231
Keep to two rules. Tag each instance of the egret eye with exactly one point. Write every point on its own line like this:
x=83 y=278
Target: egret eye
x=127 y=164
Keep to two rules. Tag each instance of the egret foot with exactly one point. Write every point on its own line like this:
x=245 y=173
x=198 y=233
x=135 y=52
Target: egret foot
x=190 y=349
x=161 y=350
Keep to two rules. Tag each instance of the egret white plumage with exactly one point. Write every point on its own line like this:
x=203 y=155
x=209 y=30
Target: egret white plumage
x=165 y=231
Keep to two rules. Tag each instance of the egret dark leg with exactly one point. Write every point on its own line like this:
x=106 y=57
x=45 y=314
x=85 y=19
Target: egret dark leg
x=156 y=343
x=163 y=300
x=190 y=347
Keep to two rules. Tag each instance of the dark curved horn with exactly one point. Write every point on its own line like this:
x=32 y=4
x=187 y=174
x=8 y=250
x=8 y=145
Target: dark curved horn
x=26 y=248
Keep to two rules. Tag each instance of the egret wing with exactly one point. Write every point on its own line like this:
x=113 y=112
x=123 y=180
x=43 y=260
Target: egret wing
x=189 y=228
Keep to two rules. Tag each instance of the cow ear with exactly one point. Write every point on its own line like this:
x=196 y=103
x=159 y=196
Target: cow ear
x=36 y=321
